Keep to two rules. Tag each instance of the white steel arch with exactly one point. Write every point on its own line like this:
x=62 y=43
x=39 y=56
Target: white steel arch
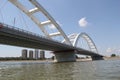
x=75 y=37
x=39 y=9
x=71 y=39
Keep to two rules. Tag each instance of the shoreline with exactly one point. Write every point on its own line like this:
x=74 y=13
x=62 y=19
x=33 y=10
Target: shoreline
x=112 y=58
x=47 y=60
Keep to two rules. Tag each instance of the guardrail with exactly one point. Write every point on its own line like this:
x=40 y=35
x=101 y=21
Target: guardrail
x=18 y=29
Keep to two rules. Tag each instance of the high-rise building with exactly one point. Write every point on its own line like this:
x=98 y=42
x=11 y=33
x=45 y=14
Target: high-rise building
x=36 y=53
x=42 y=54
x=24 y=53
x=31 y=54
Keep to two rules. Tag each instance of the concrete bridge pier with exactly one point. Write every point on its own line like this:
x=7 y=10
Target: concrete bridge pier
x=97 y=57
x=65 y=56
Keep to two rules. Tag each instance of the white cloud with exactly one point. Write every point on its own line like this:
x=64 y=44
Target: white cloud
x=118 y=50
x=83 y=22
x=109 y=50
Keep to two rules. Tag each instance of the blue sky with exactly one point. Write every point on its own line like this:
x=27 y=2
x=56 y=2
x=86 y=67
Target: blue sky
x=100 y=19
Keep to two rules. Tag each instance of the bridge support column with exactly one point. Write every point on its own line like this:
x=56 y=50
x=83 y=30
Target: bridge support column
x=97 y=57
x=65 y=56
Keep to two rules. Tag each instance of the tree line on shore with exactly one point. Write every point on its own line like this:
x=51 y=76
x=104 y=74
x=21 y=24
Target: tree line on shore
x=18 y=58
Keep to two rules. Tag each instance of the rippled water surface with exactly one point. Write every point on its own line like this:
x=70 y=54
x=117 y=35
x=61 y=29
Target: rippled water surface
x=91 y=70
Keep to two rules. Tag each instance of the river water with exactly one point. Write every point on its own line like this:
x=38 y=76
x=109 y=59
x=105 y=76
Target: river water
x=90 y=70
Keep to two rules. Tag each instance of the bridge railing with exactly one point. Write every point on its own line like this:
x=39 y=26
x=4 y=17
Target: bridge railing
x=21 y=30
x=28 y=32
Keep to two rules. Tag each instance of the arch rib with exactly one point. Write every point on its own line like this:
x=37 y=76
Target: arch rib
x=75 y=37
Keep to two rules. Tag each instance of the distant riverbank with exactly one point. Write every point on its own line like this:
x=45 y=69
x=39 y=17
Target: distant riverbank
x=112 y=58
x=50 y=60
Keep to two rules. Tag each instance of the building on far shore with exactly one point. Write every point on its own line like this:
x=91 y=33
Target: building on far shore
x=31 y=54
x=42 y=54
x=24 y=53
x=36 y=53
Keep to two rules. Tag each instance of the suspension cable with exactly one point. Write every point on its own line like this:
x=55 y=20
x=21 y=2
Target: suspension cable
x=23 y=20
x=1 y=14
x=2 y=18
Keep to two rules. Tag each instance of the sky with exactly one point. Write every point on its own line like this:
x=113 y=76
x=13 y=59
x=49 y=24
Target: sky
x=100 y=19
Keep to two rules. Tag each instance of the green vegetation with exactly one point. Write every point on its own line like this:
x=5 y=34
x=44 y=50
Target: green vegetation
x=113 y=55
x=17 y=58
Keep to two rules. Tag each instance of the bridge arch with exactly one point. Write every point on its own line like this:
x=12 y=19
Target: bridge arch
x=75 y=37
x=50 y=21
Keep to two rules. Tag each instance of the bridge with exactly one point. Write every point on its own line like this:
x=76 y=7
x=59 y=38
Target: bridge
x=65 y=50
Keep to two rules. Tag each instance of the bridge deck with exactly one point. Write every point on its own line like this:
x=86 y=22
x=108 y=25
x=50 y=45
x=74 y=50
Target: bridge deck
x=22 y=38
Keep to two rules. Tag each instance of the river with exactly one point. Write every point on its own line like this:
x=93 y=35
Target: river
x=89 y=70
